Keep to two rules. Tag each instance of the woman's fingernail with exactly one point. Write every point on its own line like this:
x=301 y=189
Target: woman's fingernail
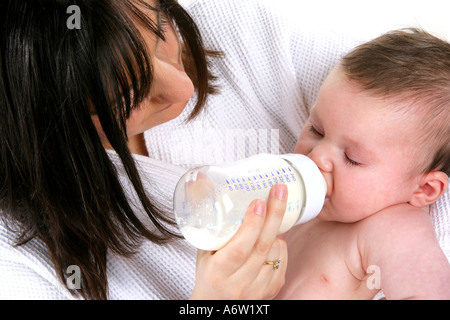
x=260 y=207
x=281 y=192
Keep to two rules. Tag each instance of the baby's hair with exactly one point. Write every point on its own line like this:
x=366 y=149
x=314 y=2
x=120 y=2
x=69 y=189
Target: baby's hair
x=410 y=65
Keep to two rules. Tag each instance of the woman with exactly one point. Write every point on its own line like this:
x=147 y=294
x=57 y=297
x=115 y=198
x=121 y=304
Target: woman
x=74 y=105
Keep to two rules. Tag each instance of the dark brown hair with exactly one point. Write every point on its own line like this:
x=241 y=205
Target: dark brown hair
x=57 y=183
x=410 y=65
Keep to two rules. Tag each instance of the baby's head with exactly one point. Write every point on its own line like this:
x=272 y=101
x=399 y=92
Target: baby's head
x=410 y=67
x=380 y=128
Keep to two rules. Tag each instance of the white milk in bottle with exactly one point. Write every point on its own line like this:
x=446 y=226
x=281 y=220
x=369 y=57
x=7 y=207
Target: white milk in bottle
x=210 y=201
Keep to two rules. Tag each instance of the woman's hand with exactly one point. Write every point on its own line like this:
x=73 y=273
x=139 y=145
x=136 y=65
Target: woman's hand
x=237 y=271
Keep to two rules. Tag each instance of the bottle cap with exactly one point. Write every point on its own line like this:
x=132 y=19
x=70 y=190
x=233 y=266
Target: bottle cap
x=315 y=185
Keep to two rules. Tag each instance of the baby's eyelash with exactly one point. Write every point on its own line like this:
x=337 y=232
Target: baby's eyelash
x=317 y=133
x=351 y=162
x=314 y=131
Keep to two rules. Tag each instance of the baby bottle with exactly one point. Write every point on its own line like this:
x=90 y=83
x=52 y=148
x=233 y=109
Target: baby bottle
x=210 y=201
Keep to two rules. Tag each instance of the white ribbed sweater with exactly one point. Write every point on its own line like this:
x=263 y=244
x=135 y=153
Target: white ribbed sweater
x=273 y=67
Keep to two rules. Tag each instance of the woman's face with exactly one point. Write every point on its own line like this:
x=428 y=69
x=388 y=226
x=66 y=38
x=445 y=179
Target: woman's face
x=171 y=88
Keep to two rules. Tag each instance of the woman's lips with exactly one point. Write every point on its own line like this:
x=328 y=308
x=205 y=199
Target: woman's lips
x=165 y=108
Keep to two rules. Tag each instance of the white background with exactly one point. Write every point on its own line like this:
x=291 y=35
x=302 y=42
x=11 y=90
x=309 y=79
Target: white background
x=370 y=17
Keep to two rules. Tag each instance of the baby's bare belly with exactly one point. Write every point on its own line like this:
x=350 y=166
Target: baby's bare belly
x=324 y=263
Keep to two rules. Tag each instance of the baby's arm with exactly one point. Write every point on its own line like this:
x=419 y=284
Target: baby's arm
x=400 y=240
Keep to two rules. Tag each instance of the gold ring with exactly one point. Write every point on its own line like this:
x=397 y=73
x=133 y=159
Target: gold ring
x=276 y=264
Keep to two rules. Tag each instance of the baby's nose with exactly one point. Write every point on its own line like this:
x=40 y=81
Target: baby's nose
x=326 y=168
x=321 y=159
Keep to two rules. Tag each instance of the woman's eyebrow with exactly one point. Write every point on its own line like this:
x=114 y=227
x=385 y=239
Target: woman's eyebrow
x=158 y=20
x=158 y=14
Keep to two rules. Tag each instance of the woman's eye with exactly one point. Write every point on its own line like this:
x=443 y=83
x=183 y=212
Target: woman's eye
x=163 y=23
x=351 y=162
x=315 y=131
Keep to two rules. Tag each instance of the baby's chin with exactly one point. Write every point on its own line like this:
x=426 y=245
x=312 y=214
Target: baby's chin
x=326 y=212
x=330 y=214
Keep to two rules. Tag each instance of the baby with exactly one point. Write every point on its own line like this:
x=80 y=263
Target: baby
x=380 y=133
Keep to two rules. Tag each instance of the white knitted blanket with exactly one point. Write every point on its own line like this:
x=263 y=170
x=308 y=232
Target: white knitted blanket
x=274 y=64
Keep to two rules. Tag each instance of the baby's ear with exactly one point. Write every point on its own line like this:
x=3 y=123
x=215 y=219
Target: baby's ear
x=431 y=188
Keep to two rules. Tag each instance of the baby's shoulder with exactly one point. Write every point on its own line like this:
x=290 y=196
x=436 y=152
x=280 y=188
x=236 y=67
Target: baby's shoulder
x=391 y=220
x=393 y=228
x=400 y=241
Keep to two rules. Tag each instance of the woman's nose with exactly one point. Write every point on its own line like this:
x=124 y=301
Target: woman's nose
x=171 y=84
